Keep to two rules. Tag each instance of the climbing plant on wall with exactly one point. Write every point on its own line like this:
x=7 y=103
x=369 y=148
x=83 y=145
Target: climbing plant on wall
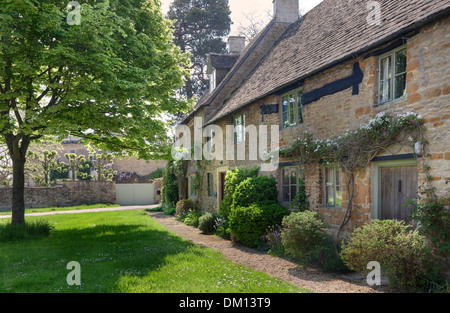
x=355 y=149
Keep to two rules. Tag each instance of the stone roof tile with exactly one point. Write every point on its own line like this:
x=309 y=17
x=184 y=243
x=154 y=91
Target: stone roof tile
x=332 y=31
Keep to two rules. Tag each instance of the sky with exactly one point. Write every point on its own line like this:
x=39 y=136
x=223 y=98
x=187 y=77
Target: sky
x=257 y=8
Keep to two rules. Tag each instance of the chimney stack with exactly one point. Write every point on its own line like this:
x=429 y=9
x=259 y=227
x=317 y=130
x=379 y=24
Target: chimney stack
x=286 y=11
x=236 y=44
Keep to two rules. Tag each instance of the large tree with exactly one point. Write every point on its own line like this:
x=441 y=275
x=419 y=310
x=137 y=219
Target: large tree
x=106 y=72
x=199 y=28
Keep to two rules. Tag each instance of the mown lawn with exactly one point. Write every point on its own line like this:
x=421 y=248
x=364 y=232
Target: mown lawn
x=77 y=207
x=123 y=252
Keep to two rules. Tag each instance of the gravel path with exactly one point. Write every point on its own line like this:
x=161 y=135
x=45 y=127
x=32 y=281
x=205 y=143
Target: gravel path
x=309 y=278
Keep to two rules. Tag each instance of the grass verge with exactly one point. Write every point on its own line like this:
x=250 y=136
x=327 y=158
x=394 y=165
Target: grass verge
x=77 y=207
x=123 y=252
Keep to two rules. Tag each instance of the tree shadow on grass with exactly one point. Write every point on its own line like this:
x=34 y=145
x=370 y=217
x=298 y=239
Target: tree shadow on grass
x=106 y=253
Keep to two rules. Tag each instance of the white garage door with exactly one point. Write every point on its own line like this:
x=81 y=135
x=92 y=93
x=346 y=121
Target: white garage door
x=135 y=194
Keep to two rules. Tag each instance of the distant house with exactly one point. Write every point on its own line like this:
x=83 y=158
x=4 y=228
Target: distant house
x=324 y=73
x=132 y=169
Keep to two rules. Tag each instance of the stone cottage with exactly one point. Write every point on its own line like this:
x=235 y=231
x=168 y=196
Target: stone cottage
x=327 y=73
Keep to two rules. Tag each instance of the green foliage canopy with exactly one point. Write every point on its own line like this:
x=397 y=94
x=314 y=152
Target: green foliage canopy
x=107 y=80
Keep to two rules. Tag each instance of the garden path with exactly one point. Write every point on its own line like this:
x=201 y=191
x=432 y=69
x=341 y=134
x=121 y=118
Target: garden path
x=306 y=277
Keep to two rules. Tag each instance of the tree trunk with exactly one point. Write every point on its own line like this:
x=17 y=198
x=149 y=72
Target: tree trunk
x=18 y=198
x=18 y=147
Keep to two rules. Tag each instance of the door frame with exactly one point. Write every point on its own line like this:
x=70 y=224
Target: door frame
x=376 y=185
x=219 y=170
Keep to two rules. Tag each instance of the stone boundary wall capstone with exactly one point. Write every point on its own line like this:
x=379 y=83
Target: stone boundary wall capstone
x=68 y=193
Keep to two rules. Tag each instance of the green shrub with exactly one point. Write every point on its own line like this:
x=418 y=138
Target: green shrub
x=302 y=234
x=170 y=184
x=434 y=220
x=26 y=231
x=249 y=223
x=207 y=223
x=156 y=174
x=169 y=210
x=255 y=190
x=400 y=251
x=300 y=202
x=183 y=208
x=325 y=256
x=232 y=180
x=192 y=218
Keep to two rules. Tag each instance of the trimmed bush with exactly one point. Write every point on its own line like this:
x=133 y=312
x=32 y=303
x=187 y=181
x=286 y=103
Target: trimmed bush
x=255 y=190
x=400 y=251
x=207 y=223
x=248 y=224
x=302 y=234
x=232 y=180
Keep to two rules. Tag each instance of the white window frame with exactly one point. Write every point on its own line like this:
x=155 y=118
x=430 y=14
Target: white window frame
x=334 y=184
x=294 y=113
x=390 y=81
x=239 y=129
x=210 y=141
x=212 y=81
x=290 y=184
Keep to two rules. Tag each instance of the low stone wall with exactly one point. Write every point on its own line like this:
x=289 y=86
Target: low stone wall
x=69 y=193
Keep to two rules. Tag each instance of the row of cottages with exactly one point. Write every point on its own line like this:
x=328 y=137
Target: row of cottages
x=327 y=72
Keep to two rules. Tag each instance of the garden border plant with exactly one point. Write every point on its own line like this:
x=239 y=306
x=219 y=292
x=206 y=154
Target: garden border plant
x=400 y=251
x=434 y=219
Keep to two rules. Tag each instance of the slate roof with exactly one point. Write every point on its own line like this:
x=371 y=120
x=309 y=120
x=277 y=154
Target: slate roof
x=333 y=31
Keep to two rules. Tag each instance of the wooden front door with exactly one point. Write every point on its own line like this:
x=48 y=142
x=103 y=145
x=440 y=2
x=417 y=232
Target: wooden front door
x=222 y=185
x=398 y=185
